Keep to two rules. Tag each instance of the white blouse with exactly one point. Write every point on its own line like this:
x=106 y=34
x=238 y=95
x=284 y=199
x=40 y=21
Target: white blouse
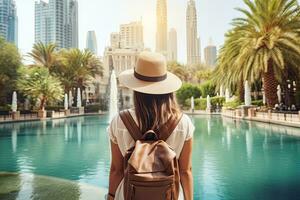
x=120 y=136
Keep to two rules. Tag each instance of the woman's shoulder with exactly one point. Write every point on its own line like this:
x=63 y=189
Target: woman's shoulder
x=185 y=121
x=186 y=127
x=117 y=121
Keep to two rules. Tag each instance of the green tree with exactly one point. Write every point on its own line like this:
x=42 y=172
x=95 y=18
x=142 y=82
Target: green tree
x=44 y=55
x=77 y=68
x=187 y=91
x=10 y=61
x=37 y=83
x=207 y=88
x=203 y=75
x=179 y=70
x=262 y=45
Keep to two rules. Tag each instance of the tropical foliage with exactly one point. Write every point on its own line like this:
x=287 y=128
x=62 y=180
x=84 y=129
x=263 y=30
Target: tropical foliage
x=195 y=74
x=264 y=44
x=77 y=68
x=74 y=68
x=44 y=55
x=187 y=91
x=207 y=88
x=37 y=83
x=201 y=103
x=10 y=61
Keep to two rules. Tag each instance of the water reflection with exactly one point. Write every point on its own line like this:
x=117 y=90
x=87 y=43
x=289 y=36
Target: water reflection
x=66 y=129
x=249 y=143
x=79 y=131
x=69 y=148
x=236 y=159
x=208 y=126
x=228 y=137
x=14 y=139
x=231 y=159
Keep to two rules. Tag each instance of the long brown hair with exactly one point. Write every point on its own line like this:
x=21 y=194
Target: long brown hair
x=154 y=110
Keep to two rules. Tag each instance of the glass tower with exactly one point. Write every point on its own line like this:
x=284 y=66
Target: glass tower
x=57 y=22
x=9 y=21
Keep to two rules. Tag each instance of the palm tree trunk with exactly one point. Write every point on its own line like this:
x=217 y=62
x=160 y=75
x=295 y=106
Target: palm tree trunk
x=43 y=102
x=270 y=86
x=241 y=91
x=297 y=95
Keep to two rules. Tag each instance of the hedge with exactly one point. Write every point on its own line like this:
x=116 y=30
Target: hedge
x=187 y=91
x=200 y=104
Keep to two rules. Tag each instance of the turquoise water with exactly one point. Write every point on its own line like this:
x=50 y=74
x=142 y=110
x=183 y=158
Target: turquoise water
x=231 y=160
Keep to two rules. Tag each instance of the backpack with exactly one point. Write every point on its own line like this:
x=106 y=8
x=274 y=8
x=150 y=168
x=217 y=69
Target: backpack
x=151 y=167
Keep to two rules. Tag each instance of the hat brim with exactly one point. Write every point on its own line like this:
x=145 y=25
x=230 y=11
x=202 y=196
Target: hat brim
x=171 y=84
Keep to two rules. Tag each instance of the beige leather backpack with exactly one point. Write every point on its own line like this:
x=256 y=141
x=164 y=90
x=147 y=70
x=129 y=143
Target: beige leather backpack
x=151 y=167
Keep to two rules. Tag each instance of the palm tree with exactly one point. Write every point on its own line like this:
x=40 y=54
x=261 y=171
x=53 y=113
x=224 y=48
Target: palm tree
x=43 y=54
x=77 y=68
x=179 y=70
x=37 y=83
x=263 y=44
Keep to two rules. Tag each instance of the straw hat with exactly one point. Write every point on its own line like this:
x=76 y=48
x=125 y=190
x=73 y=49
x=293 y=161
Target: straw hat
x=150 y=75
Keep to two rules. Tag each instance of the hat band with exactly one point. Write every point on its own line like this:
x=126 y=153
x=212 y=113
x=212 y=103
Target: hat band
x=150 y=79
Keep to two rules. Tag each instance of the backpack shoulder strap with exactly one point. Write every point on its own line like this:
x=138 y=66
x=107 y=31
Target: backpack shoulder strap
x=167 y=129
x=130 y=124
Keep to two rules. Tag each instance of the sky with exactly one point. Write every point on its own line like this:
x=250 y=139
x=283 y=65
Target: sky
x=105 y=17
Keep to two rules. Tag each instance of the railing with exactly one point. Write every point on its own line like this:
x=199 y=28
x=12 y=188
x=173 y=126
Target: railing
x=22 y=116
x=292 y=117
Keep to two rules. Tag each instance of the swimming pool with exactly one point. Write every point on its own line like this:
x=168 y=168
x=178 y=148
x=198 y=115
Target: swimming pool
x=231 y=159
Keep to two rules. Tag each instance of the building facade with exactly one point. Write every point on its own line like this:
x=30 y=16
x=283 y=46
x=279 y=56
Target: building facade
x=119 y=60
x=9 y=21
x=122 y=54
x=57 y=22
x=161 y=27
x=132 y=35
x=210 y=54
x=193 y=41
x=172 y=45
x=91 y=42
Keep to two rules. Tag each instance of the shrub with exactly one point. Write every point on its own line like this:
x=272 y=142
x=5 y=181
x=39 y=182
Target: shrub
x=55 y=108
x=233 y=104
x=186 y=92
x=200 y=104
x=207 y=88
x=93 y=108
x=217 y=101
x=5 y=108
x=257 y=103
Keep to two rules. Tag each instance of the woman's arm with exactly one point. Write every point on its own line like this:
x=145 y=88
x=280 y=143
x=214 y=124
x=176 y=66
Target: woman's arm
x=185 y=170
x=116 y=169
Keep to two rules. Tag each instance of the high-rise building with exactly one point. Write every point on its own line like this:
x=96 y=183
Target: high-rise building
x=57 y=22
x=172 y=45
x=193 y=42
x=132 y=35
x=9 y=21
x=91 y=42
x=210 y=54
x=115 y=40
x=161 y=27
x=72 y=25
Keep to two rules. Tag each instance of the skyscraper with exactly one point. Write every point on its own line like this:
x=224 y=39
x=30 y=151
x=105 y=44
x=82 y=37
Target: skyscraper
x=72 y=26
x=9 y=21
x=132 y=35
x=172 y=45
x=193 y=42
x=91 y=42
x=115 y=40
x=210 y=54
x=57 y=22
x=161 y=27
